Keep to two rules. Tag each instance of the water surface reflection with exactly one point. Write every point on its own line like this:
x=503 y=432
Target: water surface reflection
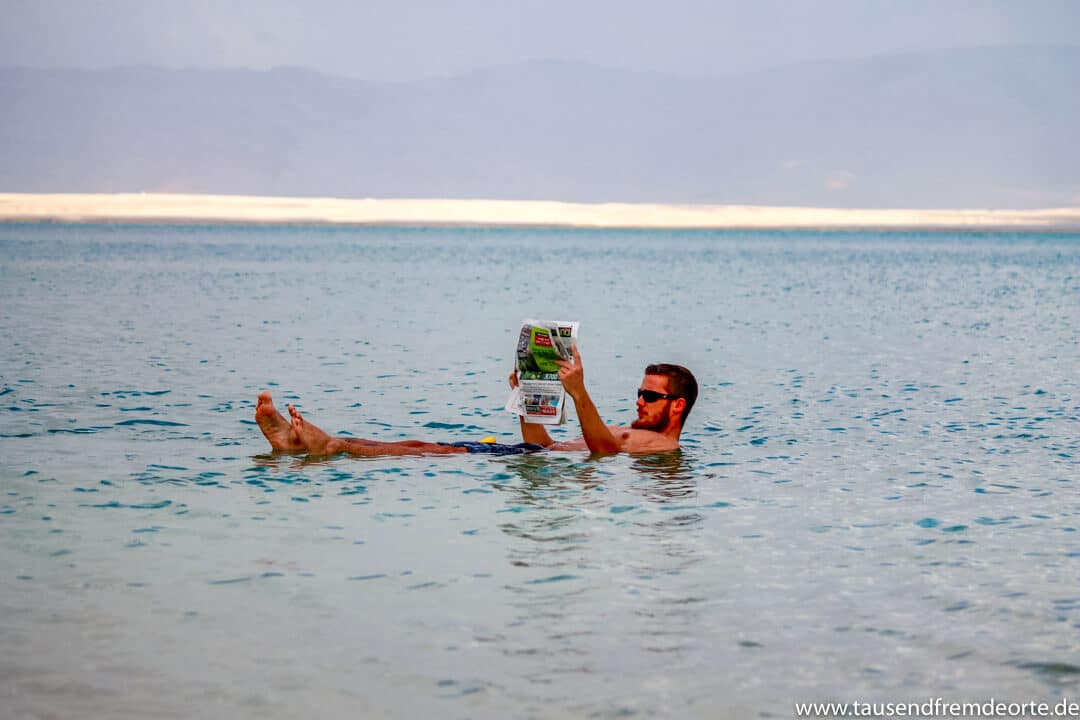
x=616 y=578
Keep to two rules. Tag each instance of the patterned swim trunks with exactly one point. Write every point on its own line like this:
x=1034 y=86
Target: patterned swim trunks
x=497 y=448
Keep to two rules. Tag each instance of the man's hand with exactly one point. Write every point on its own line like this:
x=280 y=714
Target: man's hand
x=572 y=374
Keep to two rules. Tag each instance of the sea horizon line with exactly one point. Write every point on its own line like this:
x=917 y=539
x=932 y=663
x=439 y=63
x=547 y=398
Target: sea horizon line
x=189 y=208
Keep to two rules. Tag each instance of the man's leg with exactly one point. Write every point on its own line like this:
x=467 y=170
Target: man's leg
x=319 y=442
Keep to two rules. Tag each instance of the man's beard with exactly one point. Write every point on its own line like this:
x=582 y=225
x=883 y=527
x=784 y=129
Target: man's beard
x=659 y=425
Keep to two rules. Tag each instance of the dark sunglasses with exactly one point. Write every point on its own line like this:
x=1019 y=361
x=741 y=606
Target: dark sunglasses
x=651 y=396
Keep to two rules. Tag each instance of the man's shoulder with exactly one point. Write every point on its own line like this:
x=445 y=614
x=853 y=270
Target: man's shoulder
x=636 y=440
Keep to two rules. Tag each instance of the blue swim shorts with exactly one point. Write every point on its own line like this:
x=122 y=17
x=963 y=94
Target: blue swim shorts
x=497 y=448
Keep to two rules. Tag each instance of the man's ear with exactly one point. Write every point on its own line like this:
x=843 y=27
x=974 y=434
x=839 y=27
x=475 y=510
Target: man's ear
x=679 y=405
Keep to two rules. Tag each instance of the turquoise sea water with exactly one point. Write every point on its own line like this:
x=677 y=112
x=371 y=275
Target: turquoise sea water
x=878 y=498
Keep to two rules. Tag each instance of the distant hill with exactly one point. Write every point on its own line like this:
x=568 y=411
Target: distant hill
x=994 y=127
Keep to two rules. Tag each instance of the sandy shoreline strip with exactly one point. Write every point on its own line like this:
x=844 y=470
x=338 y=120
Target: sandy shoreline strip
x=167 y=208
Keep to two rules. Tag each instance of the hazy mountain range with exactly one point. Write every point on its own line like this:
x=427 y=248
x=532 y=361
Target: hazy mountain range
x=996 y=127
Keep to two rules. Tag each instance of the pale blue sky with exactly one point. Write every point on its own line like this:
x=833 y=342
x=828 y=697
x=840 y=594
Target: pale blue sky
x=408 y=39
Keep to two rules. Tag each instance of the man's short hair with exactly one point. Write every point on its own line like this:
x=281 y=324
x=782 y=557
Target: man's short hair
x=681 y=382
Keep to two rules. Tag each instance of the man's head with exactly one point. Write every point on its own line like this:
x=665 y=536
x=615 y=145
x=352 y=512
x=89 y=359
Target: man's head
x=665 y=398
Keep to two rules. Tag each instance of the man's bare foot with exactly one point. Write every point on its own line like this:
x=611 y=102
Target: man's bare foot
x=313 y=438
x=275 y=427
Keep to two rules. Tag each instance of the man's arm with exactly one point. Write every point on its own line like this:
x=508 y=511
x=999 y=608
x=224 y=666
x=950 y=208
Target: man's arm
x=598 y=436
x=531 y=432
x=534 y=433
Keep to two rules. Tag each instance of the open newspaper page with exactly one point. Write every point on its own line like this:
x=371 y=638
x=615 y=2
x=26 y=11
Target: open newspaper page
x=540 y=397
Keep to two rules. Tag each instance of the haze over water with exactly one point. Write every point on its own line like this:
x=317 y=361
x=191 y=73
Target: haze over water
x=877 y=498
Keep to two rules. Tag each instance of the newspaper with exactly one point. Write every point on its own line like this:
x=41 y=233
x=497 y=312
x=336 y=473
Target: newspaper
x=540 y=397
